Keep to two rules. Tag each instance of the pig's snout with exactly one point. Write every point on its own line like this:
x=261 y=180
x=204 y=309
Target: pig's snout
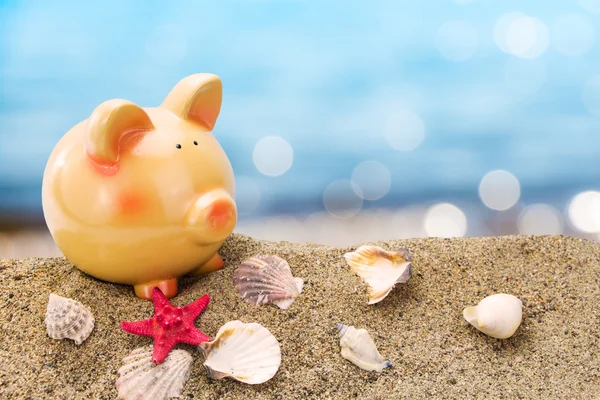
x=212 y=216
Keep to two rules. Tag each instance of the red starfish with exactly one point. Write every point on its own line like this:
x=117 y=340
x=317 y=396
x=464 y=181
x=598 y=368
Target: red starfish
x=170 y=325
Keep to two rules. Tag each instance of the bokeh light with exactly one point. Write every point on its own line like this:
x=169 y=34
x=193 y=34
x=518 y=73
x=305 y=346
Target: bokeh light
x=445 y=220
x=342 y=199
x=166 y=45
x=525 y=76
x=584 y=211
x=247 y=195
x=499 y=190
x=373 y=178
x=573 y=34
x=592 y=6
x=540 y=219
x=457 y=40
x=501 y=27
x=273 y=155
x=404 y=130
x=521 y=35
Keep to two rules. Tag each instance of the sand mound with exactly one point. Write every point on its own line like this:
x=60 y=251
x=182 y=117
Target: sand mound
x=418 y=327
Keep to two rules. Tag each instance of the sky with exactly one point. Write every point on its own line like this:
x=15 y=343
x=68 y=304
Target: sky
x=431 y=95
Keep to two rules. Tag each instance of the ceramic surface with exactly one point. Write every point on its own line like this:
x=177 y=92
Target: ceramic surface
x=143 y=196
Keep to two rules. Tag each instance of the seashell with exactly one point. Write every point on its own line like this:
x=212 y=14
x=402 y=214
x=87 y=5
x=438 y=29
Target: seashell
x=68 y=318
x=380 y=269
x=359 y=348
x=245 y=352
x=140 y=378
x=267 y=279
x=498 y=315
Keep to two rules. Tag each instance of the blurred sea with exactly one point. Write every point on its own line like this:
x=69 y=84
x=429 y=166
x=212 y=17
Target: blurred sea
x=433 y=96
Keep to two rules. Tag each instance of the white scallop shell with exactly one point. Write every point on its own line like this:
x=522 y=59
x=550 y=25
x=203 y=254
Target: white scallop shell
x=68 y=318
x=498 y=315
x=141 y=379
x=359 y=348
x=380 y=269
x=267 y=279
x=246 y=352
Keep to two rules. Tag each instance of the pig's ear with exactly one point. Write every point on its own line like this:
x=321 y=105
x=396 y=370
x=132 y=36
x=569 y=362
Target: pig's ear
x=197 y=98
x=109 y=122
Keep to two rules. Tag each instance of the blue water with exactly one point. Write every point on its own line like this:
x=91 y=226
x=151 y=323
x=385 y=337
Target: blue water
x=325 y=76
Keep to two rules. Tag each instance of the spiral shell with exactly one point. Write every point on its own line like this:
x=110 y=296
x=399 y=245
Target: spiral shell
x=246 y=352
x=380 y=269
x=141 y=379
x=498 y=315
x=359 y=348
x=68 y=318
x=267 y=279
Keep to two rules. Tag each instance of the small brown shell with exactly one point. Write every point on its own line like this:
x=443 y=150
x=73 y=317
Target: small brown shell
x=380 y=269
x=267 y=279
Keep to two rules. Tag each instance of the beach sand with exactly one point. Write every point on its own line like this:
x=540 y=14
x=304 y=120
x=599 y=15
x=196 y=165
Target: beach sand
x=419 y=327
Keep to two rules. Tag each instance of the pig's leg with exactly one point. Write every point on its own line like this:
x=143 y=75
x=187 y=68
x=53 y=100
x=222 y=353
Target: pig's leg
x=167 y=286
x=215 y=263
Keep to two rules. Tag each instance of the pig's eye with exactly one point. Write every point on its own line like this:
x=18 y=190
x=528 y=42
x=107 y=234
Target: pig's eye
x=196 y=143
x=178 y=145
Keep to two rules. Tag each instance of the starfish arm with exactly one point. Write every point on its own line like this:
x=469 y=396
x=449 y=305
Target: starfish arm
x=194 y=337
x=169 y=325
x=159 y=299
x=142 y=328
x=194 y=309
x=162 y=349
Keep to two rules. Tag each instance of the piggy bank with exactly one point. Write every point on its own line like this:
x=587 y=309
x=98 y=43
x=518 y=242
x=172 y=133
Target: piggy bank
x=142 y=196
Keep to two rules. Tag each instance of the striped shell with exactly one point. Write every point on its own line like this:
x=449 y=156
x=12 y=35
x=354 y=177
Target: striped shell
x=68 y=318
x=141 y=379
x=359 y=348
x=380 y=269
x=267 y=279
x=245 y=352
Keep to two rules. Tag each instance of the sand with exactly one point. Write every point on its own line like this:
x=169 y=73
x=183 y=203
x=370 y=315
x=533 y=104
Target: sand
x=419 y=327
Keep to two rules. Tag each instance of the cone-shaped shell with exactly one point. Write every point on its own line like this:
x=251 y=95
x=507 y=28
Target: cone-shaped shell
x=68 y=319
x=359 y=348
x=141 y=379
x=498 y=315
x=267 y=279
x=380 y=269
x=248 y=353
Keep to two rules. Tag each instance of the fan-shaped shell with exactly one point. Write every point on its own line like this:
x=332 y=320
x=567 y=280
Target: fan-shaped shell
x=246 y=352
x=359 y=348
x=380 y=269
x=498 y=315
x=68 y=318
x=267 y=279
x=141 y=379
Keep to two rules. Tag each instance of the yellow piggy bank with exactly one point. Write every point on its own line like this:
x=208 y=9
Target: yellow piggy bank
x=143 y=196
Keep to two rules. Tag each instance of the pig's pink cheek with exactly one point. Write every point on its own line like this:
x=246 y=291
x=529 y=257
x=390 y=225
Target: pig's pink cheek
x=130 y=202
x=220 y=214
